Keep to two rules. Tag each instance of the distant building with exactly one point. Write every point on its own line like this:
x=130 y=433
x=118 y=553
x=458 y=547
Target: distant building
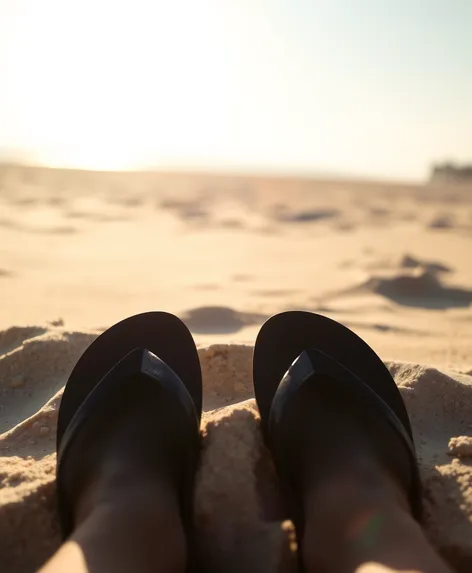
x=451 y=173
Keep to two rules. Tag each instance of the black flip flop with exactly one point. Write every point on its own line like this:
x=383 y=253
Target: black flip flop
x=139 y=358
x=296 y=348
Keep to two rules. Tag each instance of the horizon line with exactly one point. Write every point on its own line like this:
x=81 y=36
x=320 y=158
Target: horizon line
x=223 y=170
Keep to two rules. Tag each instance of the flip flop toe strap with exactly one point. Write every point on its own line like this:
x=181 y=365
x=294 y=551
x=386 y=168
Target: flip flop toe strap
x=315 y=367
x=147 y=374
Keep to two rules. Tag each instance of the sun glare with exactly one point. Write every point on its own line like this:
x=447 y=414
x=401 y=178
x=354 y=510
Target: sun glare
x=105 y=88
x=303 y=85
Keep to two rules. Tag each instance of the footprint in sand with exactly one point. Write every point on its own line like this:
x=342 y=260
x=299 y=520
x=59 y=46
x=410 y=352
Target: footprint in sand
x=219 y=319
x=242 y=278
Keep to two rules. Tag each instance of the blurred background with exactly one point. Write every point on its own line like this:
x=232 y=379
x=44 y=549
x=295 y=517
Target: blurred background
x=226 y=160
x=377 y=88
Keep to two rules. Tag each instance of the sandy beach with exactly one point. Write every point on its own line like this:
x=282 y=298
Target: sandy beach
x=81 y=250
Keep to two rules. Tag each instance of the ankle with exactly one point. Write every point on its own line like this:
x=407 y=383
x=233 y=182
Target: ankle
x=353 y=534
x=143 y=501
x=347 y=514
x=123 y=530
x=385 y=539
x=363 y=483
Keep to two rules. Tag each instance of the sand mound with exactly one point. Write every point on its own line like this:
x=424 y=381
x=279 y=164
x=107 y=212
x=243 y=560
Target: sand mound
x=420 y=285
x=406 y=261
x=33 y=364
x=418 y=288
x=239 y=512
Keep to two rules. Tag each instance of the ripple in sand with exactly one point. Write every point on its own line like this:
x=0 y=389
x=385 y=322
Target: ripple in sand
x=274 y=292
x=56 y=229
x=187 y=209
x=442 y=221
x=307 y=215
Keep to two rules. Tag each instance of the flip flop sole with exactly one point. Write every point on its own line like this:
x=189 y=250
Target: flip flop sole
x=161 y=333
x=285 y=336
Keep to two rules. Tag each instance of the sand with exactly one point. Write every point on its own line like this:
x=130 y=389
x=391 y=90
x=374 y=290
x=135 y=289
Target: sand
x=79 y=251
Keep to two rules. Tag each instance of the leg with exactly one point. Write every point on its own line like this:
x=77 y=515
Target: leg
x=128 y=448
x=139 y=529
x=357 y=516
x=339 y=434
x=365 y=526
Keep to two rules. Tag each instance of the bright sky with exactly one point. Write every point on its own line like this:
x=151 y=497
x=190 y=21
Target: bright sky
x=373 y=87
